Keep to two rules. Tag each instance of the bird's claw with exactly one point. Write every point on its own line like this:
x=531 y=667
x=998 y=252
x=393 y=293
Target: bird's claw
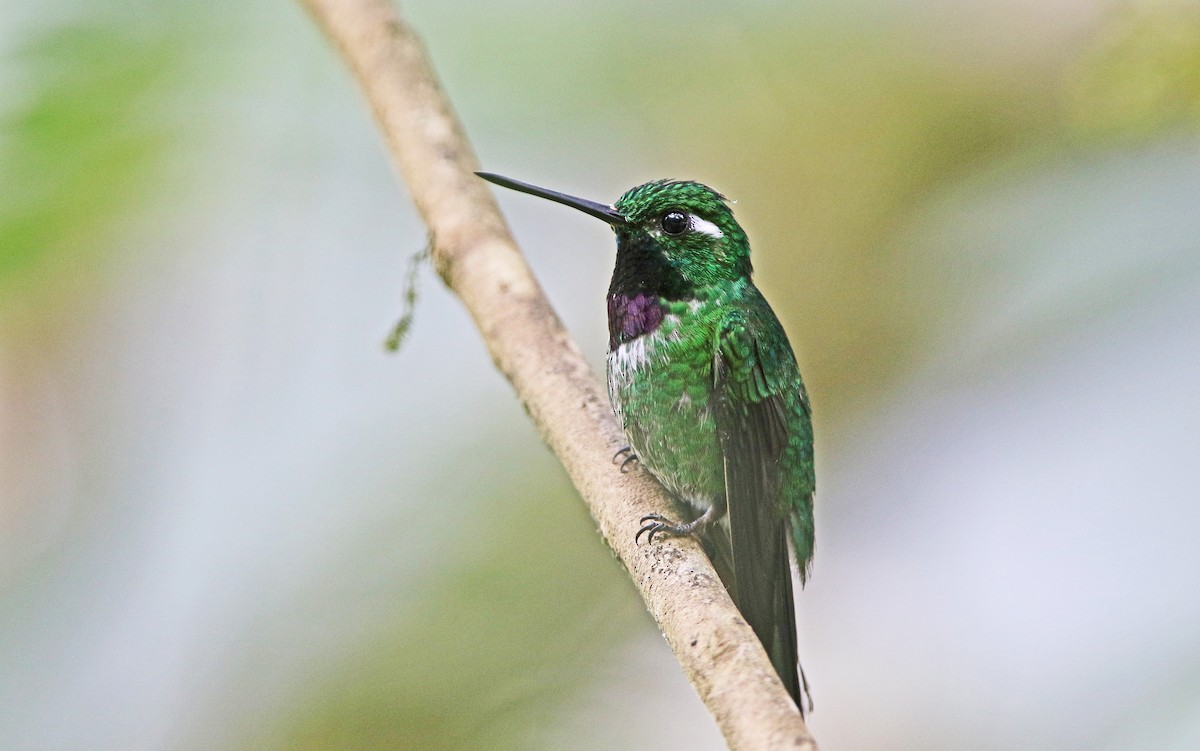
x=626 y=458
x=655 y=524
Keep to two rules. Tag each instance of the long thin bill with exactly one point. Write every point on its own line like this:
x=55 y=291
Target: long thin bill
x=598 y=210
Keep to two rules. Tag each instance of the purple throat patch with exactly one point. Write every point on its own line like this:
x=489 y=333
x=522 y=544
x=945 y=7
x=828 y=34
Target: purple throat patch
x=631 y=317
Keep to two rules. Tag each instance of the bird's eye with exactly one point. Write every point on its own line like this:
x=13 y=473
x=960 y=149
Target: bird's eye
x=674 y=222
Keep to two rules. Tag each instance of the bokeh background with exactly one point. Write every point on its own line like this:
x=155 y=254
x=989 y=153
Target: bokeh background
x=230 y=520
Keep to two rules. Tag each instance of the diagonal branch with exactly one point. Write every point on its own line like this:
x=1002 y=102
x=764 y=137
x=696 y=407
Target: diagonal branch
x=478 y=259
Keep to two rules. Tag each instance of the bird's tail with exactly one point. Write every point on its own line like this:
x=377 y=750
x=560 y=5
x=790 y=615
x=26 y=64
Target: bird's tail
x=762 y=587
x=780 y=639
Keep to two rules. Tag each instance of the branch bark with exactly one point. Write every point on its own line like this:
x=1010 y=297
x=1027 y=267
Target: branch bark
x=478 y=259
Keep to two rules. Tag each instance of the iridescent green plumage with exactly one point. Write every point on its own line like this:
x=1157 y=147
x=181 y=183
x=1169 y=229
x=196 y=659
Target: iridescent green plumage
x=706 y=386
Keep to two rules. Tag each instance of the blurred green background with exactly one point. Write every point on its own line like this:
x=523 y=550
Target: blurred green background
x=228 y=520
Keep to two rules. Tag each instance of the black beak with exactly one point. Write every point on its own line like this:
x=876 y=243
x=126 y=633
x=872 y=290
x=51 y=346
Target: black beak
x=598 y=210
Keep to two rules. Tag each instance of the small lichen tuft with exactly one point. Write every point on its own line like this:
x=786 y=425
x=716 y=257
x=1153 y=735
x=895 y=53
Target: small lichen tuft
x=411 y=276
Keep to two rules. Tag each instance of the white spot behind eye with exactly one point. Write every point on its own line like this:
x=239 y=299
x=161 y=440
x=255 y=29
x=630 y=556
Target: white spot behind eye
x=705 y=227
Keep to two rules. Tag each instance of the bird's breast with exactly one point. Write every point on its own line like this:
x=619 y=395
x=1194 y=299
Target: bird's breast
x=659 y=385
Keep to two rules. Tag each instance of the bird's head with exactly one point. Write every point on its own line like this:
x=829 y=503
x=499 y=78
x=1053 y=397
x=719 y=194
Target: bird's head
x=673 y=236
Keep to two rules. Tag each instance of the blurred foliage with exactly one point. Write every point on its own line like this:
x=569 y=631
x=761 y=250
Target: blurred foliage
x=496 y=642
x=82 y=147
x=87 y=139
x=1140 y=73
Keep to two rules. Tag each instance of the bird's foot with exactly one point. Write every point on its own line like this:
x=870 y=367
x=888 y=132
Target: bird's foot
x=626 y=458
x=657 y=524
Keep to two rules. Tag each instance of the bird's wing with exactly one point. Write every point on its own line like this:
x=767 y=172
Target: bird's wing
x=750 y=410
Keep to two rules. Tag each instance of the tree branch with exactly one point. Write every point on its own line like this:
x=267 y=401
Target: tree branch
x=477 y=258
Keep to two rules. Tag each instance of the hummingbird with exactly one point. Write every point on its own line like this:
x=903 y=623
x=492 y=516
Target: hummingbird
x=707 y=389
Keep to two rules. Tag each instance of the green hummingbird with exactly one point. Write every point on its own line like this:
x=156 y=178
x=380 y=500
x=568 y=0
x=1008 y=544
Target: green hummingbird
x=705 y=384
